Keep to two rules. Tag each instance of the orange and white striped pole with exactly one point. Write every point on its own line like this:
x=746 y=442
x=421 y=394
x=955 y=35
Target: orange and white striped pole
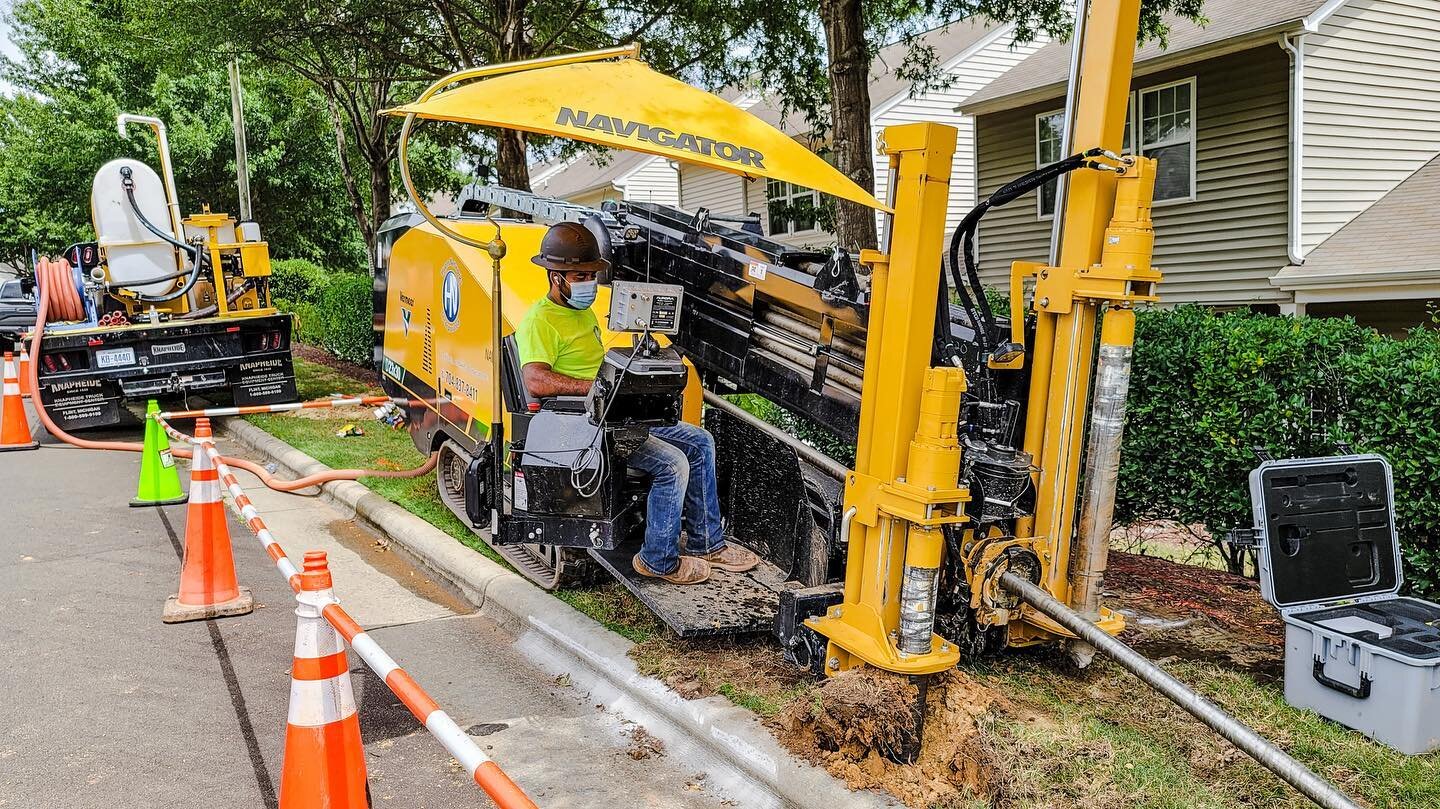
x=208 y=587
x=324 y=762
x=487 y=774
x=251 y=410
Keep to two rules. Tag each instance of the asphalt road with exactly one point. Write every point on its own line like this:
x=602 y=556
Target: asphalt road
x=107 y=707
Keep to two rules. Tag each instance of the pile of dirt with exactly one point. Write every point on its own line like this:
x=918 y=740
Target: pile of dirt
x=857 y=722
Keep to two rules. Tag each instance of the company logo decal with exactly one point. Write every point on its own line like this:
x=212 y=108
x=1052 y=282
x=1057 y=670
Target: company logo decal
x=660 y=136
x=392 y=369
x=405 y=320
x=167 y=348
x=450 y=296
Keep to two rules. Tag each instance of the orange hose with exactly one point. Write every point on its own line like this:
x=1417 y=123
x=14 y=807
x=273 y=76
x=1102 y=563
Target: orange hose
x=55 y=275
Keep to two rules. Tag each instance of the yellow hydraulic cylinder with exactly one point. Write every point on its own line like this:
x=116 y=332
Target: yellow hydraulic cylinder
x=935 y=449
x=934 y=465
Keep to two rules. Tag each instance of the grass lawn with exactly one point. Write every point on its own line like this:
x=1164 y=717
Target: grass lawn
x=1051 y=736
x=313 y=432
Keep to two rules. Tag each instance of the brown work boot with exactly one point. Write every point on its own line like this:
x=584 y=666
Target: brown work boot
x=732 y=558
x=692 y=570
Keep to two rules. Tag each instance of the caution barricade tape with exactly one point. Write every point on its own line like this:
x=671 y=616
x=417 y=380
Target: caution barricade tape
x=485 y=772
x=252 y=410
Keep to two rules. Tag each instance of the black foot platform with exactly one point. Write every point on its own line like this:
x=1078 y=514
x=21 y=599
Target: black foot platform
x=727 y=604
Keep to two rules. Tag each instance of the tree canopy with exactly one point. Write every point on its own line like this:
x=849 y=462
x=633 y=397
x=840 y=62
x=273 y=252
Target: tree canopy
x=317 y=75
x=81 y=64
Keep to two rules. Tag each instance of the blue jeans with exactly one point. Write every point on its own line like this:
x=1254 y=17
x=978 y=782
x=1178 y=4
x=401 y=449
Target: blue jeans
x=681 y=462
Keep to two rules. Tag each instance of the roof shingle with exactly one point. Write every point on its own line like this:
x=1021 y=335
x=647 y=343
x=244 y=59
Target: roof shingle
x=1396 y=234
x=1227 y=19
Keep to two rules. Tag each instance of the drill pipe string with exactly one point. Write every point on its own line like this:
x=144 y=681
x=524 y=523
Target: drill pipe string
x=1265 y=752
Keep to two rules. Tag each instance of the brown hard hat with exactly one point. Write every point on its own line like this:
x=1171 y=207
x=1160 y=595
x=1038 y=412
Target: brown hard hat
x=570 y=247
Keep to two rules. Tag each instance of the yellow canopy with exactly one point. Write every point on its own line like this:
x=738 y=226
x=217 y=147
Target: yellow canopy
x=626 y=105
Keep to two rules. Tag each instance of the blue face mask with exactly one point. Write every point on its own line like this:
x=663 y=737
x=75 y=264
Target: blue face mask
x=582 y=294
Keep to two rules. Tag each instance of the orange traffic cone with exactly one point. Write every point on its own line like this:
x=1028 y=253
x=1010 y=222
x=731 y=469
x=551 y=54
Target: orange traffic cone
x=25 y=370
x=14 y=427
x=324 y=762
x=207 y=577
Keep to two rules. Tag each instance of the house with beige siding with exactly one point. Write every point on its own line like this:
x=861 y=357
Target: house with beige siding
x=1275 y=126
x=596 y=175
x=969 y=54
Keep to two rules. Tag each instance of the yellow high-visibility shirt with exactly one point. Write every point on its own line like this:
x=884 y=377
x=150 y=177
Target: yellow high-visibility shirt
x=568 y=340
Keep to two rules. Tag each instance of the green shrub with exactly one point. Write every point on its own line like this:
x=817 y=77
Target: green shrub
x=1206 y=389
x=307 y=320
x=344 y=318
x=333 y=310
x=297 y=280
x=1393 y=408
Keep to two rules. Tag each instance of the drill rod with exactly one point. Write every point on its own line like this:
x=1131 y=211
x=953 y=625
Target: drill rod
x=1238 y=733
x=814 y=456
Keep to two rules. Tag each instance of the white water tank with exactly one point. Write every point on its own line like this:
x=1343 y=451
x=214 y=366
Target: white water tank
x=132 y=252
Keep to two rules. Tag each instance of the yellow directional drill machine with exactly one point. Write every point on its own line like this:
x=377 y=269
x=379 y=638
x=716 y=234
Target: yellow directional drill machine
x=966 y=423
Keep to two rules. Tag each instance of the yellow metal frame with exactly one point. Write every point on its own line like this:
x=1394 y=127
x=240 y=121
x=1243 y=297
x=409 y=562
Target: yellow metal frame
x=898 y=513
x=905 y=486
x=254 y=263
x=1104 y=260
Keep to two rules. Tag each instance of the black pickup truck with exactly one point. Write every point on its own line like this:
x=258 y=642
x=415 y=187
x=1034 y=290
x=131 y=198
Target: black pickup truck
x=17 y=310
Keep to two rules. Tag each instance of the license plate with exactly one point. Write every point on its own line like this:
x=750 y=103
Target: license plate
x=114 y=357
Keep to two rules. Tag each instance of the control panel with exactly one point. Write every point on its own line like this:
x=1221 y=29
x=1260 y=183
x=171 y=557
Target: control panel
x=640 y=307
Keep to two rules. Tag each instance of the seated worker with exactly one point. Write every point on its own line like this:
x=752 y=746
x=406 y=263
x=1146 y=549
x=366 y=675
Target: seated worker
x=560 y=353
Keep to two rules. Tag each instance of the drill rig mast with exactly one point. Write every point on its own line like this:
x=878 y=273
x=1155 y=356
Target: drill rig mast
x=903 y=498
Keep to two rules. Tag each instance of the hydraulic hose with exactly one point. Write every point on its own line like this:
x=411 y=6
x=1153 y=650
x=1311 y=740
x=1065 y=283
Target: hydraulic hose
x=197 y=256
x=1312 y=786
x=215 y=307
x=55 y=276
x=962 y=241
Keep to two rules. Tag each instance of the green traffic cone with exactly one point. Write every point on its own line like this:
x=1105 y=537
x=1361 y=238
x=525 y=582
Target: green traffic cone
x=159 y=479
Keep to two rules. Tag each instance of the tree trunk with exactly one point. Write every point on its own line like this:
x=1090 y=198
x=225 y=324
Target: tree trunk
x=363 y=222
x=850 y=113
x=379 y=209
x=510 y=153
x=510 y=160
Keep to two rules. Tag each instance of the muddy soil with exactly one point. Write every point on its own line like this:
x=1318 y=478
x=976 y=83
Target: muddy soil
x=1195 y=613
x=848 y=724
x=859 y=724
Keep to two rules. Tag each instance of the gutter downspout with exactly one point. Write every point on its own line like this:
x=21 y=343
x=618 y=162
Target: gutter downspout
x=1294 y=44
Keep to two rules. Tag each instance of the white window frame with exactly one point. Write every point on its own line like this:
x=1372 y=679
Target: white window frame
x=796 y=192
x=1138 y=105
x=1133 y=131
x=1040 y=211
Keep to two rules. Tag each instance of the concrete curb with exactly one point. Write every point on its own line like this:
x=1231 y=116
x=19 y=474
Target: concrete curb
x=598 y=656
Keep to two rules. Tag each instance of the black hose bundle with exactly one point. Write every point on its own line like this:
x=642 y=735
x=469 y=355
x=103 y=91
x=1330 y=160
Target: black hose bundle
x=198 y=257
x=962 y=243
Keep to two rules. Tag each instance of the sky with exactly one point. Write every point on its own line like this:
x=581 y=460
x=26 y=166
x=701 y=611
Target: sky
x=6 y=47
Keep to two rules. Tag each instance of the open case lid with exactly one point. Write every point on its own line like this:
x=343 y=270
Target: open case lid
x=1326 y=529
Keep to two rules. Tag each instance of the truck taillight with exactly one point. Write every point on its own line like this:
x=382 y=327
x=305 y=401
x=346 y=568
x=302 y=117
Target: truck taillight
x=275 y=340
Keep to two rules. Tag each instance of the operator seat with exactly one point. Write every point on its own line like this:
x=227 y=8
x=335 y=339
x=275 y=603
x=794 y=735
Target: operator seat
x=517 y=398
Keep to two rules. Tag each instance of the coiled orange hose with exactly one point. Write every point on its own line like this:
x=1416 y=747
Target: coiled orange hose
x=54 y=277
